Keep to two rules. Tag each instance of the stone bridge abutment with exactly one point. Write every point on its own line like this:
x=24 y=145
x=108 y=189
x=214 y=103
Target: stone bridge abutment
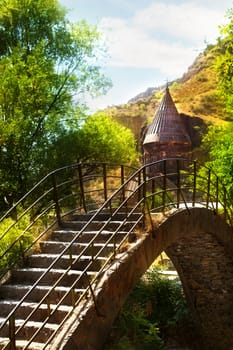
x=200 y=245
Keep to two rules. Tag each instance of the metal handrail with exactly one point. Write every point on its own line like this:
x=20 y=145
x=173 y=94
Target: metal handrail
x=169 y=188
x=48 y=201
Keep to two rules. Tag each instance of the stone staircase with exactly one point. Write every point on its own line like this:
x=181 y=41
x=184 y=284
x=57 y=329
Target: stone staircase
x=45 y=289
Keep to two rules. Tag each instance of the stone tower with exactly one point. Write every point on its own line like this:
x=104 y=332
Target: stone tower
x=166 y=136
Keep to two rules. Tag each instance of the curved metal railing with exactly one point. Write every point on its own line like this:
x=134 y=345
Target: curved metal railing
x=160 y=186
x=80 y=187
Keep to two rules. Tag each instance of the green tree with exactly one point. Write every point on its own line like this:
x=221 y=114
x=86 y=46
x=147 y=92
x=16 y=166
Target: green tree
x=105 y=139
x=46 y=66
x=99 y=138
x=218 y=144
x=224 y=64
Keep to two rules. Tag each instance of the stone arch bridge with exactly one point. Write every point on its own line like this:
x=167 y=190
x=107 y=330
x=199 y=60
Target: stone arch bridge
x=68 y=284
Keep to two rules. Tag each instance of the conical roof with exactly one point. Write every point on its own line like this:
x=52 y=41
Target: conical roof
x=167 y=126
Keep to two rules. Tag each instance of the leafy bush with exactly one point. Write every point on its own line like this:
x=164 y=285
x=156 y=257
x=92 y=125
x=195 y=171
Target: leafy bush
x=155 y=306
x=13 y=243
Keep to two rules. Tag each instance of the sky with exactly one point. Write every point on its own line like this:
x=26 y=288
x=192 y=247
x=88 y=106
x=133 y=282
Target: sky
x=149 y=42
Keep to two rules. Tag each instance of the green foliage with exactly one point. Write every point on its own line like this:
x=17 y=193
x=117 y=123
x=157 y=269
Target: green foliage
x=46 y=66
x=14 y=242
x=224 y=64
x=154 y=307
x=142 y=106
x=208 y=103
x=99 y=139
x=202 y=78
x=175 y=85
x=106 y=140
x=218 y=143
x=158 y=95
x=168 y=305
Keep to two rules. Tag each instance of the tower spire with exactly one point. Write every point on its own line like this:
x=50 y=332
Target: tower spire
x=166 y=136
x=167 y=125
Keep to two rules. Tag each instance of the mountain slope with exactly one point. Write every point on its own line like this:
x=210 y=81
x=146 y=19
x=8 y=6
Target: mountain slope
x=194 y=94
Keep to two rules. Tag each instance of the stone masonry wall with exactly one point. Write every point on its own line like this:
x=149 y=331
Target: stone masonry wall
x=201 y=247
x=206 y=272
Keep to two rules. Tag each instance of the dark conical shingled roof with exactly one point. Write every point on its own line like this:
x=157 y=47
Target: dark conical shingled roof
x=167 y=126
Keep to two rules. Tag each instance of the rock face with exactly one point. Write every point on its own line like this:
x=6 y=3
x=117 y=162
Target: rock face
x=150 y=91
x=195 y=95
x=195 y=127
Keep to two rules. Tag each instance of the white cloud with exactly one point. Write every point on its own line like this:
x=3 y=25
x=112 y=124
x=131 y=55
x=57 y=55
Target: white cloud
x=132 y=47
x=162 y=36
x=186 y=22
x=213 y=4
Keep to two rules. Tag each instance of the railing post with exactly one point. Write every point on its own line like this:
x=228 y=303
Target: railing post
x=12 y=332
x=93 y=297
x=208 y=189
x=83 y=202
x=122 y=182
x=144 y=184
x=105 y=182
x=144 y=188
x=139 y=186
x=56 y=201
x=216 y=207
x=194 y=182
x=224 y=202
x=164 y=183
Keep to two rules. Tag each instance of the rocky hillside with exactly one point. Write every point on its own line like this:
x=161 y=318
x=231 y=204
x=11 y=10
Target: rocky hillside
x=194 y=94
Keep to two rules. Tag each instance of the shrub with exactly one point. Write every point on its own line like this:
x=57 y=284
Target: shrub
x=154 y=307
x=13 y=242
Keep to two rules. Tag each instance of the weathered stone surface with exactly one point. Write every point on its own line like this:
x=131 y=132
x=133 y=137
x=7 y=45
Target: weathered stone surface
x=203 y=259
x=200 y=245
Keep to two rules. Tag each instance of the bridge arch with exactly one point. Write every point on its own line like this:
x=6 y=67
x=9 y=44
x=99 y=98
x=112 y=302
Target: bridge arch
x=200 y=245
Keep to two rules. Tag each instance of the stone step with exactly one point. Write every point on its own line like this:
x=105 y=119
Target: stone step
x=40 y=314
x=45 y=260
x=29 y=330
x=103 y=216
x=31 y=275
x=18 y=291
x=87 y=216
x=87 y=236
x=113 y=225
x=52 y=247
x=20 y=344
x=23 y=279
